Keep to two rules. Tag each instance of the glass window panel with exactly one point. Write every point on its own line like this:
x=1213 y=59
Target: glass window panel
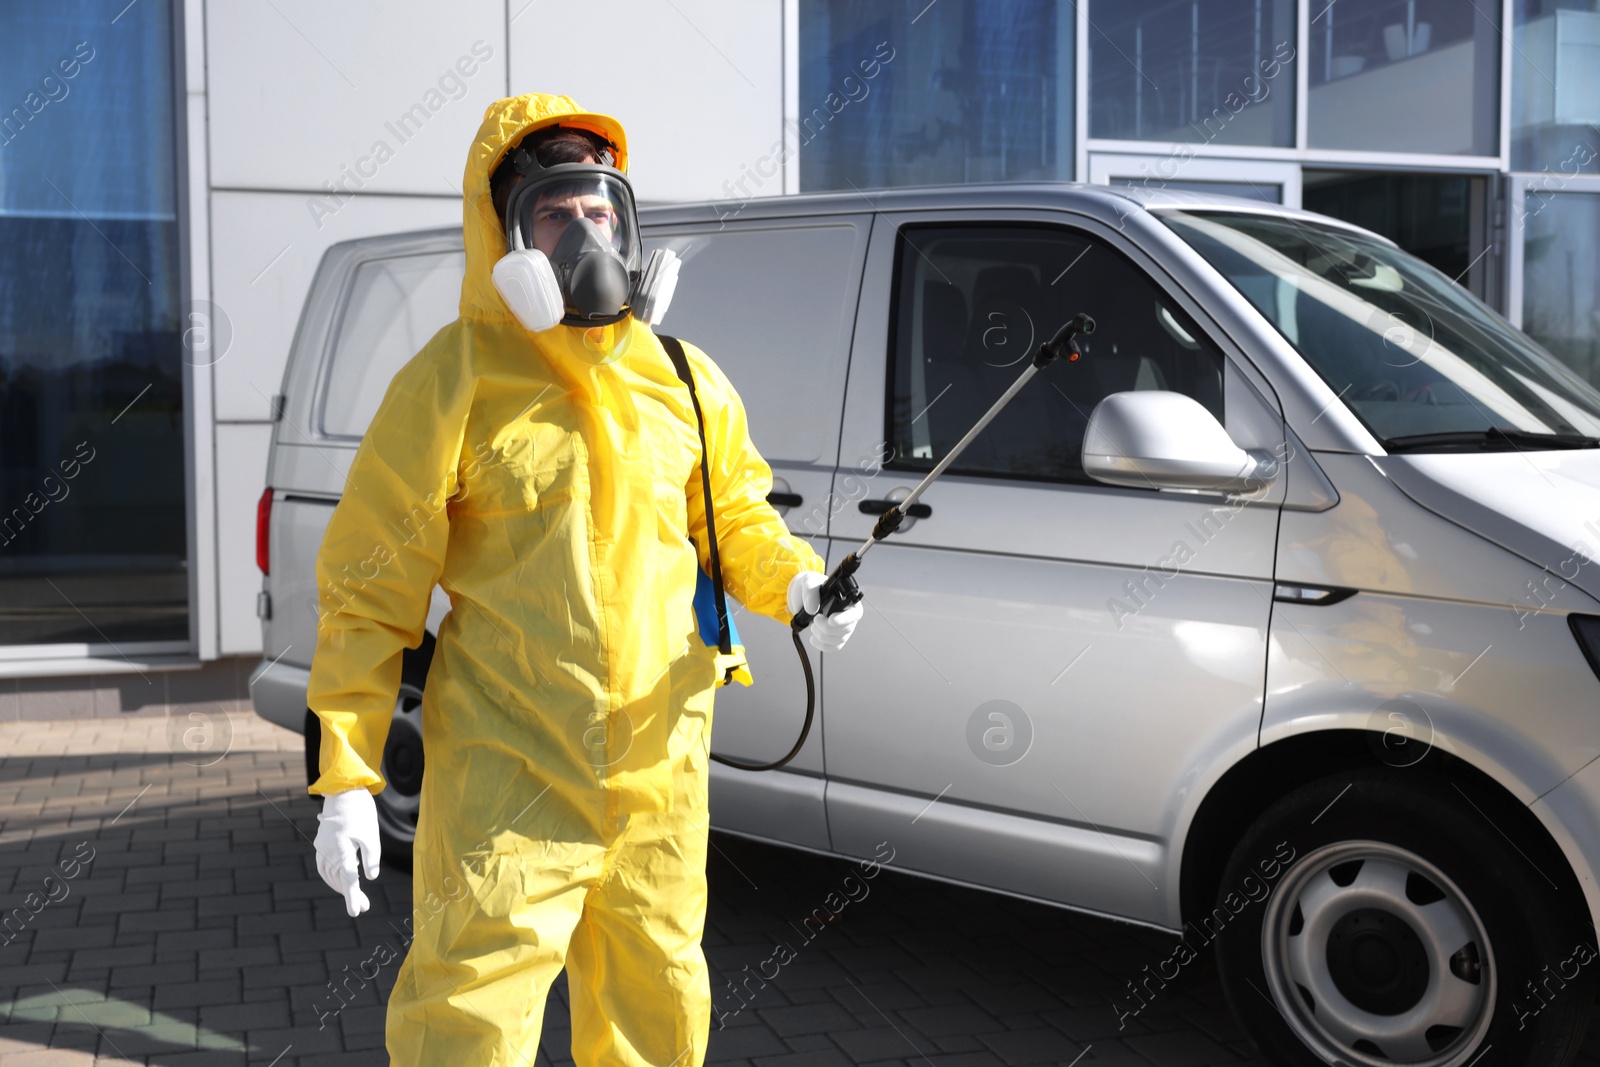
x=92 y=488
x=395 y=306
x=1555 y=86
x=1192 y=71
x=912 y=93
x=1405 y=76
x=973 y=303
x=1561 y=277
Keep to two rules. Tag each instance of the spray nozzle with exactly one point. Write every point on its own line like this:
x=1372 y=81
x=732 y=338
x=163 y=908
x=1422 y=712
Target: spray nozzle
x=1063 y=343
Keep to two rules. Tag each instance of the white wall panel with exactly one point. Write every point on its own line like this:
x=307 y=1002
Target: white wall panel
x=241 y=475
x=265 y=249
x=698 y=84
x=302 y=91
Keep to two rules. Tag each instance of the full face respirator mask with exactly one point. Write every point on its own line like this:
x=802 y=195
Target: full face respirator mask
x=574 y=256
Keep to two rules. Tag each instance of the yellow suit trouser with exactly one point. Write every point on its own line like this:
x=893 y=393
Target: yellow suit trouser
x=623 y=910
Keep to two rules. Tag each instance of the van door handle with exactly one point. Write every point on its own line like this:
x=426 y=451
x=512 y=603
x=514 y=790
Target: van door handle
x=784 y=500
x=878 y=507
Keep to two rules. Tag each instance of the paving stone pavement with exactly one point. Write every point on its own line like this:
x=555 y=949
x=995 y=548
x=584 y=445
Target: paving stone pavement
x=179 y=921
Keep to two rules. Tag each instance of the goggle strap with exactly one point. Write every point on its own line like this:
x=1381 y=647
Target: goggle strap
x=526 y=163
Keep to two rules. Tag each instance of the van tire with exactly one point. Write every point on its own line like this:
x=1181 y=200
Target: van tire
x=403 y=759
x=1374 y=868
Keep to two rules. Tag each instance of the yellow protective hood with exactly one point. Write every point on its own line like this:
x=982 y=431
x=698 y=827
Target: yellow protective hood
x=506 y=122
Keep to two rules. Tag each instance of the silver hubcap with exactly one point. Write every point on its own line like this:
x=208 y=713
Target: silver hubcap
x=402 y=766
x=1375 y=957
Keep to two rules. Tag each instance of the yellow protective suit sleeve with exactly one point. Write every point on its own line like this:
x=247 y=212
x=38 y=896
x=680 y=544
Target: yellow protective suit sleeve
x=759 y=555
x=380 y=558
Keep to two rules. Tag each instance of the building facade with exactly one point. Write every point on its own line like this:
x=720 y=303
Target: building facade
x=171 y=172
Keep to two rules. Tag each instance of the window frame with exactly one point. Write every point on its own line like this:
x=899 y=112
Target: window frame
x=1182 y=300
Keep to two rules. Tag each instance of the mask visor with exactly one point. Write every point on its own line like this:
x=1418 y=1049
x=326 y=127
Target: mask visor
x=543 y=206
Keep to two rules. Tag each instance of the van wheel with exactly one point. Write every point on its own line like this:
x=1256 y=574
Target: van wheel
x=403 y=761
x=1377 y=920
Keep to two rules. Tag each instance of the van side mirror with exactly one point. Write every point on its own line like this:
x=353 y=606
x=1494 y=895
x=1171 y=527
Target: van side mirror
x=1155 y=438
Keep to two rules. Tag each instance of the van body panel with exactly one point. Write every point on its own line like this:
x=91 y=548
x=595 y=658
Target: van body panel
x=1571 y=815
x=1054 y=861
x=298 y=524
x=1542 y=505
x=311 y=468
x=1378 y=539
x=1423 y=672
x=1097 y=525
x=784 y=807
x=1208 y=765
x=999 y=643
x=278 y=693
x=1307 y=486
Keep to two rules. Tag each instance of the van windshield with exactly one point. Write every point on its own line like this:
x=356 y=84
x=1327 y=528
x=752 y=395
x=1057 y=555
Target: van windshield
x=1421 y=362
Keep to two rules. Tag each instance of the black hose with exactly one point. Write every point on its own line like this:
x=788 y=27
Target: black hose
x=805 y=729
x=837 y=593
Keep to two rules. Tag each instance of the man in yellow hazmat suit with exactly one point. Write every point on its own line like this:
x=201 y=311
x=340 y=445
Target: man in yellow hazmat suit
x=540 y=460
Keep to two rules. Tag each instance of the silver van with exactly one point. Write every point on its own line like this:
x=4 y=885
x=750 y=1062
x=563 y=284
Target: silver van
x=1273 y=621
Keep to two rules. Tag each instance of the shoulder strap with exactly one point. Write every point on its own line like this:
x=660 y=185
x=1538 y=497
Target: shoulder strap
x=680 y=362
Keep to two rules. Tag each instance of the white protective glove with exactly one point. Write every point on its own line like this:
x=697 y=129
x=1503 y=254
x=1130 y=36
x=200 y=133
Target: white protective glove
x=349 y=820
x=828 y=633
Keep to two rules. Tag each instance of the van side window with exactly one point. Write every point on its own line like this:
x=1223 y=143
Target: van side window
x=772 y=305
x=972 y=305
x=395 y=305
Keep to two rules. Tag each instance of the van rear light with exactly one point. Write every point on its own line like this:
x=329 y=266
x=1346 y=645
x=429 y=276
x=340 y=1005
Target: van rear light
x=263 y=530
